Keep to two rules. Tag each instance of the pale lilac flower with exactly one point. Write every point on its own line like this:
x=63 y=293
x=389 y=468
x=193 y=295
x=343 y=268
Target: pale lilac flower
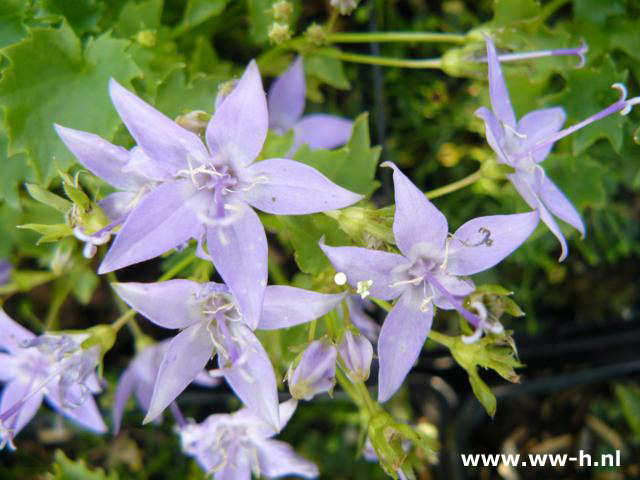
x=213 y=188
x=428 y=271
x=524 y=144
x=5 y=271
x=212 y=322
x=286 y=105
x=52 y=367
x=359 y=316
x=315 y=372
x=235 y=446
x=139 y=378
x=356 y=353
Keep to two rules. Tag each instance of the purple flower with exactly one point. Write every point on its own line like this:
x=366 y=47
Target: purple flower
x=233 y=446
x=356 y=353
x=315 y=371
x=51 y=367
x=428 y=271
x=212 y=322
x=286 y=106
x=360 y=317
x=207 y=192
x=139 y=378
x=524 y=144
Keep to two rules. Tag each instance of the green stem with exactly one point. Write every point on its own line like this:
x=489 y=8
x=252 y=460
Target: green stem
x=441 y=338
x=177 y=268
x=549 y=9
x=457 y=185
x=122 y=320
x=348 y=387
x=381 y=303
x=372 y=37
x=433 y=63
x=312 y=330
x=366 y=398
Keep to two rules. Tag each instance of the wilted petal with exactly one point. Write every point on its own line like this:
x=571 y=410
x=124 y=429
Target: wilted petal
x=239 y=126
x=320 y=130
x=560 y=205
x=126 y=386
x=278 y=459
x=239 y=253
x=187 y=354
x=356 y=353
x=288 y=187
x=361 y=265
x=500 y=101
x=85 y=414
x=169 y=145
x=287 y=97
x=252 y=378
x=401 y=339
x=483 y=242
x=286 y=306
x=168 y=304
x=539 y=125
x=361 y=319
x=100 y=157
x=14 y=392
x=165 y=218
x=315 y=372
x=12 y=334
x=416 y=219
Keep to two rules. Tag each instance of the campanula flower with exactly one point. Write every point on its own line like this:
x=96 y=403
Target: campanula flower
x=356 y=353
x=235 y=446
x=51 y=367
x=429 y=271
x=314 y=372
x=213 y=323
x=286 y=102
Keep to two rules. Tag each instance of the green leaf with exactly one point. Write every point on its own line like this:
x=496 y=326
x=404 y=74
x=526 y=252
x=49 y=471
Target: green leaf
x=277 y=146
x=580 y=178
x=483 y=393
x=507 y=12
x=175 y=96
x=66 y=469
x=326 y=69
x=73 y=92
x=199 y=11
x=15 y=170
x=82 y=15
x=138 y=16
x=597 y=11
x=629 y=397
x=260 y=19
x=50 y=233
x=48 y=198
x=11 y=21
x=353 y=166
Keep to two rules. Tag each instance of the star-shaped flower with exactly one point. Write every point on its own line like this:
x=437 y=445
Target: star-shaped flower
x=212 y=322
x=286 y=105
x=233 y=446
x=49 y=367
x=428 y=271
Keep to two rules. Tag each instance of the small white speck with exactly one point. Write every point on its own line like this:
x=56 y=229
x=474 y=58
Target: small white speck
x=340 y=278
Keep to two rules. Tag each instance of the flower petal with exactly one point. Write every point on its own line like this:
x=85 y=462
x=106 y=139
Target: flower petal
x=9 y=367
x=560 y=205
x=239 y=253
x=361 y=264
x=169 y=304
x=286 y=306
x=459 y=287
x=494 y=133
x=252 y=377
x=500 y=101
x=187 y=354
x=537 y=126
x=118 y=204
x=321 y=130
x=287 y=187
x=417 y=220
x=401 y=339
x=169 y=145
x=287 y=97
x=125 y=388
x=165 y=218
x=239 y=126
x=12 y=334
x=483 y=242
x=13 y=392
x=100 y=157
x=279 y=459
x=85 y=414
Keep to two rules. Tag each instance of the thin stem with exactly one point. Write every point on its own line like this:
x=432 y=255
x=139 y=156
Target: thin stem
x=457 y=185
x=381 y=303
x=177 y=268
x=433 y=63
x=549 y=9
x=348 y=387
x=366 y=398
x=312 y=330
x=122 y=320
x=383 y=37
x=345 y=314
x=441 y=338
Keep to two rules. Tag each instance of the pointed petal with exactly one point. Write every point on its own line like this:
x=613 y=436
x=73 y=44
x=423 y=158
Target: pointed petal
x=12 y=334
x=118 y=204
x=417 y=220
x=164 y=141
x=500 y=101
x=287 y=97
x=560 y=205
x=287 y=187
x=169 y=304
x=320 y=130
x=361 y=264
x=287 y=409
x=9 y=367
x=279 y=459
x=236 y=467
x=100 y=157
x=239 y=253
x=401 y=339
x=483 y=242
x=537 y=126
x=459 y=287
x=165 y=218
x=187 y=354
x=252 y=378
x=85 y=414
x=126 y=385
x=494 y=133
x=239 y=126
x=286 y=306
x=13 y=392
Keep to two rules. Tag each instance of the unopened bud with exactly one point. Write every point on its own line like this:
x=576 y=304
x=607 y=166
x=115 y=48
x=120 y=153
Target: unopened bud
x=195 y=121
x=146 y=38
x=315 y=372
x=282 y=11
x=345 y=7
x=316 y=35
x=356 y=353
x=279 y=33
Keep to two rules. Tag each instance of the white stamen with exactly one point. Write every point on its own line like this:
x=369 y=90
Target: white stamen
x=340 y=279
x=362 y=288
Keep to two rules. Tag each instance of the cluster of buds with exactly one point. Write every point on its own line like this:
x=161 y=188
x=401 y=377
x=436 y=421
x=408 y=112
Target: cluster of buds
x=282 y=12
